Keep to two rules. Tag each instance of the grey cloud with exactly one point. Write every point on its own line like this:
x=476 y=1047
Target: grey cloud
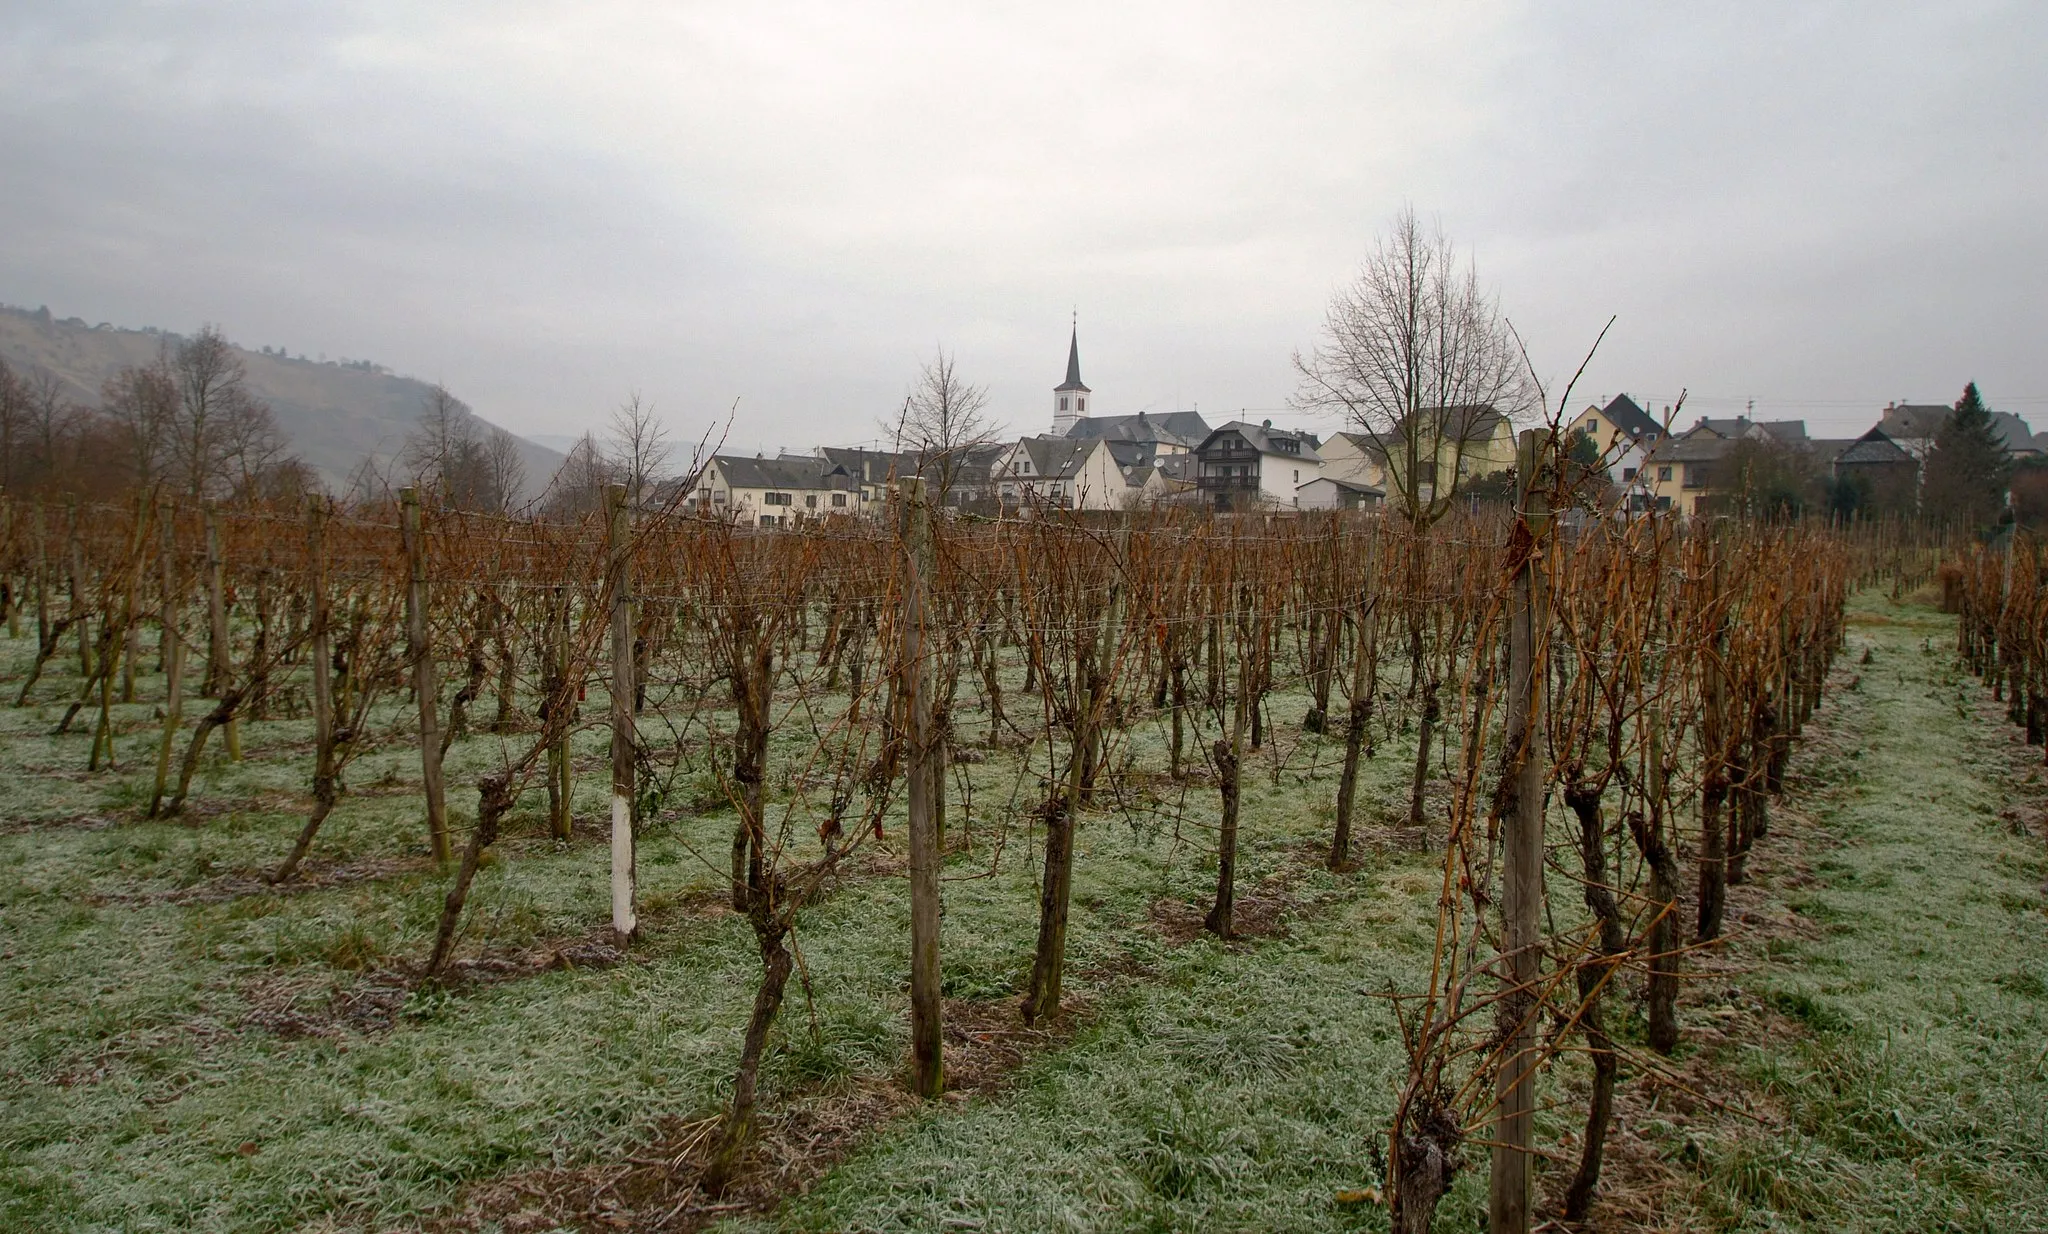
x=549 y=206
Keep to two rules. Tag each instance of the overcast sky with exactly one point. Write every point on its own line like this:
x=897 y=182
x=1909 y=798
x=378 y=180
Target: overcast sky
x=1820 y=207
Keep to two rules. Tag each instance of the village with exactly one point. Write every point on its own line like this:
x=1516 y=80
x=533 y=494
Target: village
x=1087 y=462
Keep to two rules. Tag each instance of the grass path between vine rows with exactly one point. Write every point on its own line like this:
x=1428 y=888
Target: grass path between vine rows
x=1867 y=1052
x=1883 y=1014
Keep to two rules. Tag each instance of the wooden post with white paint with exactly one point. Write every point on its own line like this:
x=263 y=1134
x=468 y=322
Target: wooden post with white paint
x=619 y=542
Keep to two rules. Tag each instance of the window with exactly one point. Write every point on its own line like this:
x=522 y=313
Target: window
x=776 y=499
x=1593 y=427
x=1663 y=474
x=811 y=501
x=1080 y=404
x=1063 y=402
x=1627 y=474
x=839 y=501
x=1297 y=475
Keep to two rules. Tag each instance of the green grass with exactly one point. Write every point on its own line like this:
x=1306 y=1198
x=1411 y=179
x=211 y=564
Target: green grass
x=1917 y=1098
x=1212 y=1086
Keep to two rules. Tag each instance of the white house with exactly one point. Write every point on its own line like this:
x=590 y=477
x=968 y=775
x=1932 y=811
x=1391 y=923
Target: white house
x=1065 y=474
x=774 y=492
x=1256 y=465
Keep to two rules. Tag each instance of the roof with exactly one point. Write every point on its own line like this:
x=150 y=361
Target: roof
x=1263 y=438
x=1133 y=453
x=1349 y=486
x=1623 y=413
x=1696 y=446
x=2013 y=431
x=1182 y=428
x=1908 y=421
x=1914 y=419
x=1825 y=450
x=1790 y=432
x=1073 y=381
x=1874 y=448
x=789 y=471
x=1055 y=458
x=1470 y=425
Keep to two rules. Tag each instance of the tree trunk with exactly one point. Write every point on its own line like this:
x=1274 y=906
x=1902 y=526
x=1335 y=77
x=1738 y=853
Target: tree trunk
x=738 y=1127
x=1593 y=976
x=494 y=797
x=1363 y=685
x=1221 y=920
x=1424 y=728
x=426 y=688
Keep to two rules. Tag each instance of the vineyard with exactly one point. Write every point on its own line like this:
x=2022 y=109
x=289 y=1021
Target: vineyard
x=385 y=866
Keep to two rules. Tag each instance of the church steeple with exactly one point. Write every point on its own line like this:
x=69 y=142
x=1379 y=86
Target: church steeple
x=1070 y=397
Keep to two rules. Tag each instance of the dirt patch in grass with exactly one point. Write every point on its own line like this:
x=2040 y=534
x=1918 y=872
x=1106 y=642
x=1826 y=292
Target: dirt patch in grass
x=314 y=875
x=70 y=822
x=379 y=997
x=659 y=1185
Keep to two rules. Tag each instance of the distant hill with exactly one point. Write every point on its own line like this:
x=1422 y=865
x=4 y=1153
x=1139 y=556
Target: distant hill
x=336 y=413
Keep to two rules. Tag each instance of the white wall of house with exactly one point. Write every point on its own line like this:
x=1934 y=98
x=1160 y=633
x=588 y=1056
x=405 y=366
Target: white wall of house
x=1282 y=475
x=1345 y=460
x=765 y=507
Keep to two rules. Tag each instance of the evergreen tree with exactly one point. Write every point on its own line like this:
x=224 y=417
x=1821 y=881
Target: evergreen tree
x=1968 y=468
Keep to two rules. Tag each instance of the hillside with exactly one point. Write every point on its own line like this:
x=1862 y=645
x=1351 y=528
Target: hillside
x=335 y=413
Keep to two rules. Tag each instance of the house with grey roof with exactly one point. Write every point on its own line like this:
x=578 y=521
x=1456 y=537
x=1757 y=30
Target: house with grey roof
x=773 y=492
x=1623 y=433
x=1252 y=466
x=1913 y=426
x=1172 y=432
x=1063 y=473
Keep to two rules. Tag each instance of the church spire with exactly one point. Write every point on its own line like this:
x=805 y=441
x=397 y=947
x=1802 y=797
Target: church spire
x=1070 y=397
x=1073 y=381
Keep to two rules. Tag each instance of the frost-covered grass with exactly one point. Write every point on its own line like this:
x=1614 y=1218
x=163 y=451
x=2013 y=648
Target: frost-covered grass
x=1213 y=1086
x=138 y=1093
x=1917 y=1099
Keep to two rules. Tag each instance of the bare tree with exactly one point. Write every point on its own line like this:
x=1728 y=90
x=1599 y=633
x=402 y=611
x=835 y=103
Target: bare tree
x=640 y=447
x=252 y=450
x=437 y=440
x=142 y=403
x=1413 y=354
x=211 y=397
x=944 y=418
x=503 y=470
x=13 y=426
x=52 y=422
x=580 y=480
x=470 y=464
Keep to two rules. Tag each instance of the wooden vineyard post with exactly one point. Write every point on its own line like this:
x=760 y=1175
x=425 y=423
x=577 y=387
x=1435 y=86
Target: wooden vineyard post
x=7 y=504
x=168 y=610
x=218 y=665
x=42 y=580
x=1522 y=850
x=426 y=688
x=915 y=530
x=619 y=542
x=561 y=781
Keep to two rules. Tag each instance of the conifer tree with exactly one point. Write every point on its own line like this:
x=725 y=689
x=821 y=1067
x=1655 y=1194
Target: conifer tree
x=1968 y=467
